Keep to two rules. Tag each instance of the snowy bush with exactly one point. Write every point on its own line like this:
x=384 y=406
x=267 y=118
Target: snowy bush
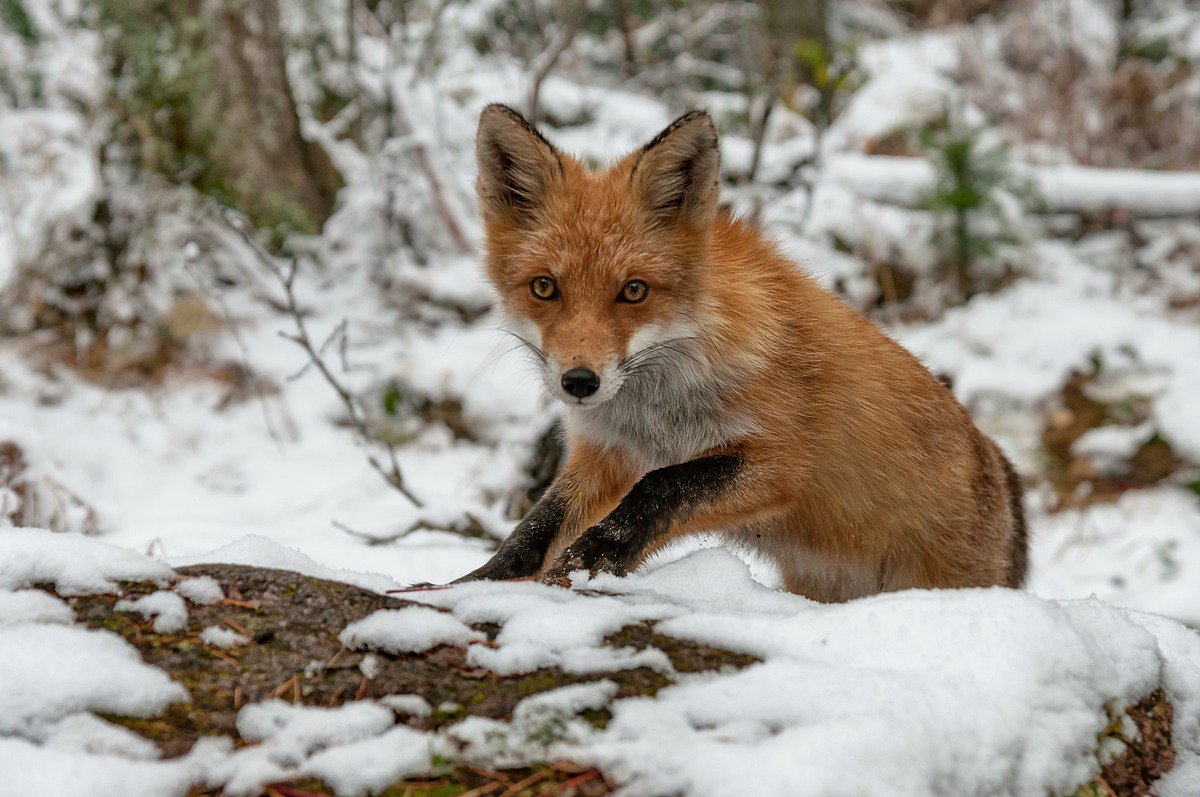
x=32 y=493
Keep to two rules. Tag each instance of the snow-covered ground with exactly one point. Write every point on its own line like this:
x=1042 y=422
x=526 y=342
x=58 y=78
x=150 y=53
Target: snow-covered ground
x=976 y=692
x=979 y=692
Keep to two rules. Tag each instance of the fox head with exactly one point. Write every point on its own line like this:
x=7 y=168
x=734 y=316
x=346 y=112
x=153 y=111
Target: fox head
x=600 y=273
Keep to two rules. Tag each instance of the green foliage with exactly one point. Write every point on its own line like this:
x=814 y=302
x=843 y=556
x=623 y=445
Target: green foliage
x=1157 y=49
x=971 y=175
x=1194 y=486
x=14 y=17
x=832 y=71
x=392 y=400
x=280 y=217
x=163 y=71
x=163 y=75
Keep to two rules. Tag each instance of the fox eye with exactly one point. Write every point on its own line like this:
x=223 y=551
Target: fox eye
x=543 y=288
x=633 y=292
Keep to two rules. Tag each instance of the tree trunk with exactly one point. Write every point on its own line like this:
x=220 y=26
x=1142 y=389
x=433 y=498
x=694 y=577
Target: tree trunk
x=217 y=109
x=278 y=175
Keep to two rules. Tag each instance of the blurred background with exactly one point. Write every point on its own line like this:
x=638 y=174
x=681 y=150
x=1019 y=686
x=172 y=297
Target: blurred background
x=239 y=286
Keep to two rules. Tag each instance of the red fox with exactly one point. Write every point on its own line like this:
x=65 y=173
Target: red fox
x=711 y=386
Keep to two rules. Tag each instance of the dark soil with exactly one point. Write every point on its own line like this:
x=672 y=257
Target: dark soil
x=1145 y=759
x=1075 y=480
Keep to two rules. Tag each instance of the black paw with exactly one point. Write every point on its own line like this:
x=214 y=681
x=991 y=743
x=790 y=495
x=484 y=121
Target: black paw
x=500 y=567
x=595 y=552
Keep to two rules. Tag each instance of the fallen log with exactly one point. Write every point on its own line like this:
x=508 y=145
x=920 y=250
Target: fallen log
x=1058 y=189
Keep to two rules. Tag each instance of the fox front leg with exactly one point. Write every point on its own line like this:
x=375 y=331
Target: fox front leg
x=521 y=554
x=662 y=501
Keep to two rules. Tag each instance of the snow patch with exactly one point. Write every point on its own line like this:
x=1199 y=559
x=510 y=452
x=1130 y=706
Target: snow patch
x=71 y=564
x=33 y=606
x=408 y=705
x=50 y=672
x=413 y=629
x=166 y=608
x=202 y=590
x=223 y=637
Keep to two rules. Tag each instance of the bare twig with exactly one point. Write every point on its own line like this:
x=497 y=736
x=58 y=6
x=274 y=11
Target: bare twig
x=284 y=790
x=625 y=26
x=351 y=40
x=241 y=629
x=282 y=689
x=235 y=332
x=759 y=48
x=558 y=46
x=569 y=786
x=399 y=126
x=389 y=470
x=470 y=527
x=425 y=58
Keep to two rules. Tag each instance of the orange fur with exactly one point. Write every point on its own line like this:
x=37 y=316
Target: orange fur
x=863 y=473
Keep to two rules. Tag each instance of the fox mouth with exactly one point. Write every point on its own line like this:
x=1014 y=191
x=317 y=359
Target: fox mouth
x=611 y=380
x=652 y=361
x=588 y=402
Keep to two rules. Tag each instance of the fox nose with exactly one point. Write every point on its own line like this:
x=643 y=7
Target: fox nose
x=580 y=382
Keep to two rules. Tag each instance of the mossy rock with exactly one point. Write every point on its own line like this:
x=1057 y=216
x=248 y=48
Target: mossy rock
x=294 y=622
x=295 y=655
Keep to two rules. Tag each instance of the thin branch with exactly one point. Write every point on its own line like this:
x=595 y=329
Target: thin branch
x=389 y=471
x=625 y=26
x=235 y=332
x=470 y=527
x=558 y=46
x=760 y=118
x=399 y=126
x=429 y=46
x=287 y=280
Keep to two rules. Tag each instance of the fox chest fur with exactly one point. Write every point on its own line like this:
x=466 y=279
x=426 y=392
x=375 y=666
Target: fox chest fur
x=665 y=415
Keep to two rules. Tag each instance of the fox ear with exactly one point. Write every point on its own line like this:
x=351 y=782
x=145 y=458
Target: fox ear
x=517 y=165
x=676 y=173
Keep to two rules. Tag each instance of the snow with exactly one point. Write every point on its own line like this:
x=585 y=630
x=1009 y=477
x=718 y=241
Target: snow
x=370 y=765
x=32 y=490
x=49 y=176
x=222 y=637
x=72 y=565
x=408 y=705
x=167 y=609
x=1110 y=447
x=1082 y=553
x=923 y=692
x=261 y=552
x=202 y=591
x=33 y=606
x=410 y=630
x=29 y=769
x=543 y=727
x=51 y=671
x=1181 y=671
x=1059 y=325
x=873 y=691
x=87 y=733
x=1036 y=675
x=296 y=731
x=545 y=627
x=1060 y=188
x=289 y=735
